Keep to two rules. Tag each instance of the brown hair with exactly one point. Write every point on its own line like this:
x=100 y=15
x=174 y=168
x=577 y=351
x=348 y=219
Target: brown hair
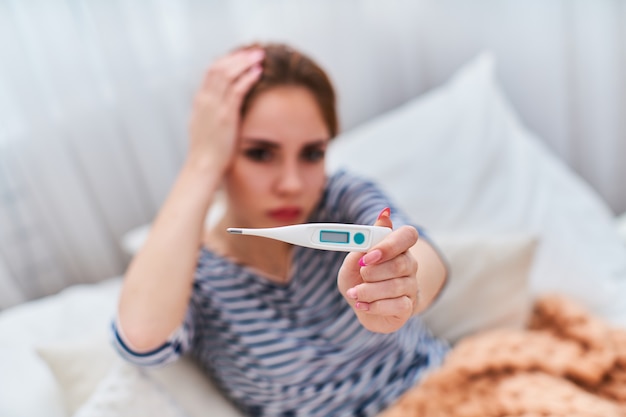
x=284 y=66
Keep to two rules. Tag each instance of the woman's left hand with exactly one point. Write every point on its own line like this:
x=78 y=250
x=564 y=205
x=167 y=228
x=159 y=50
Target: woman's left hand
x=381 y=286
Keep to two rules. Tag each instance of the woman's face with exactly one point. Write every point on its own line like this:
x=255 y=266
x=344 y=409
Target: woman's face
x=278 y=172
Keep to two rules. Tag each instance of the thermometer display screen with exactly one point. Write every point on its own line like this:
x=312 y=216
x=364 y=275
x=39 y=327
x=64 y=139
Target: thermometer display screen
x=334 y=237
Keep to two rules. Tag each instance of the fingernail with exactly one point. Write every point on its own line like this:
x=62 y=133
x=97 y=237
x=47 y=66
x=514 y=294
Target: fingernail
x=360 y=305
x=351 y=293
x=385 y=213
x=370 y=258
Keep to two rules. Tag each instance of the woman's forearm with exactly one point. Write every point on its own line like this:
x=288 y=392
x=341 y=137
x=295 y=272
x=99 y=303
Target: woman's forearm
x=431 y=274
x=158 y=283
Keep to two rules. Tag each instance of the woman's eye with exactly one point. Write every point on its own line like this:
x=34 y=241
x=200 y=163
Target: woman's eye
x=258 y=154
x=313 y=155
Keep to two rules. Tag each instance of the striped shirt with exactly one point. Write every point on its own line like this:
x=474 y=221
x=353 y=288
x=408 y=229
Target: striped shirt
x=297 y=349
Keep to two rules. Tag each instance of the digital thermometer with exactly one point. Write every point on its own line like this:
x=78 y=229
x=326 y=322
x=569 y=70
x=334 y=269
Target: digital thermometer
x=327 y=236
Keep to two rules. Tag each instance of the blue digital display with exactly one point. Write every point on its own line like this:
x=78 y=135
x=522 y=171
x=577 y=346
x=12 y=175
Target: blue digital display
x=328 y=236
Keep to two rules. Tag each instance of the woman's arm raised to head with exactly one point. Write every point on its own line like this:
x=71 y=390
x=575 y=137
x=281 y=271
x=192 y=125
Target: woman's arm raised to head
x=158 y=283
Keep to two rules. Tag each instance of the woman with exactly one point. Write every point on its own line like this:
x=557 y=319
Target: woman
x=264 y=318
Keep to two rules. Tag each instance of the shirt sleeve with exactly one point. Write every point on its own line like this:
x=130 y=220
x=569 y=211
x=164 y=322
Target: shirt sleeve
x=175 y=346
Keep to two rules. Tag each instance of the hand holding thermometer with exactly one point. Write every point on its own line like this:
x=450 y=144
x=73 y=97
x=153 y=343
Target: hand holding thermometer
x=327 y=236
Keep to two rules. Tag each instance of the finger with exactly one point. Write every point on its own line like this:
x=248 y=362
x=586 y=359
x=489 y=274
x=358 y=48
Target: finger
x=389 y=289
x=239 y=66
x=384 y=219
x=398 y=242
x=397 y=307
x=351 y=264
x=239 y=89
x=226 y=70
x=403 y=265
x=232 y=64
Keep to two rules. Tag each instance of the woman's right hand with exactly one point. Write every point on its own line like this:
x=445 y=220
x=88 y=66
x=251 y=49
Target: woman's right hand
x=216 y=108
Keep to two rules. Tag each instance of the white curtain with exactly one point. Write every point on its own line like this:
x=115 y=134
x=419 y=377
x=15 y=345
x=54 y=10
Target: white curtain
x=95 y=95
x=86 y=89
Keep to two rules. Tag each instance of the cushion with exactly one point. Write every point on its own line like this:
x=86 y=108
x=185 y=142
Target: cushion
x=487 y=285
x=96 y=382
x=78 y=366
x=126 y=391
x=458 y=160
x=78 y=312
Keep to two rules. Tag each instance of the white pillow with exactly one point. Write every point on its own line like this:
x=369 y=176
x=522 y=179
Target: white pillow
x=94 y=380
x=78 y=366
x=127 y=392
x=487 y=285
x=27 y=385
x=457 y=160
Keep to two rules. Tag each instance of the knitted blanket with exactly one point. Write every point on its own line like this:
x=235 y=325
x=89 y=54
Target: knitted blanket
x=567 y=363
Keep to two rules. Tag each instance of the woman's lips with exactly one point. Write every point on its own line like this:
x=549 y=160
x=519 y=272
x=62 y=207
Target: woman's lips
x=285 y=213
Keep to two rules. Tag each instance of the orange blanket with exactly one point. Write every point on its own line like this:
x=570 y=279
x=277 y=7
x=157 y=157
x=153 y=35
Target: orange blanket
x=567 y=363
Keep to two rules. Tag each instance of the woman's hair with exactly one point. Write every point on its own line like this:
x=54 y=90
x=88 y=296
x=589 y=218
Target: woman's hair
x=284 y=66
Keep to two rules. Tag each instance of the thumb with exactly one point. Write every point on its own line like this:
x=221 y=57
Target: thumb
x=383 y=218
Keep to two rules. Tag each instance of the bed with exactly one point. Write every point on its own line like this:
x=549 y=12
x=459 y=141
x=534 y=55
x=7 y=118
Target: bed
x=512 y=219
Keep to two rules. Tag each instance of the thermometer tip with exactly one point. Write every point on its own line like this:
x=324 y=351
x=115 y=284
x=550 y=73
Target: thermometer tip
x=234 y=231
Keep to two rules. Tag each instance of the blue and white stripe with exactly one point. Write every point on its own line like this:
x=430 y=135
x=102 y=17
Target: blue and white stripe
x=297 y=349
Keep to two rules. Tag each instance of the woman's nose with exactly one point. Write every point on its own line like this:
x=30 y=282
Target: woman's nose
x=290 y=179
